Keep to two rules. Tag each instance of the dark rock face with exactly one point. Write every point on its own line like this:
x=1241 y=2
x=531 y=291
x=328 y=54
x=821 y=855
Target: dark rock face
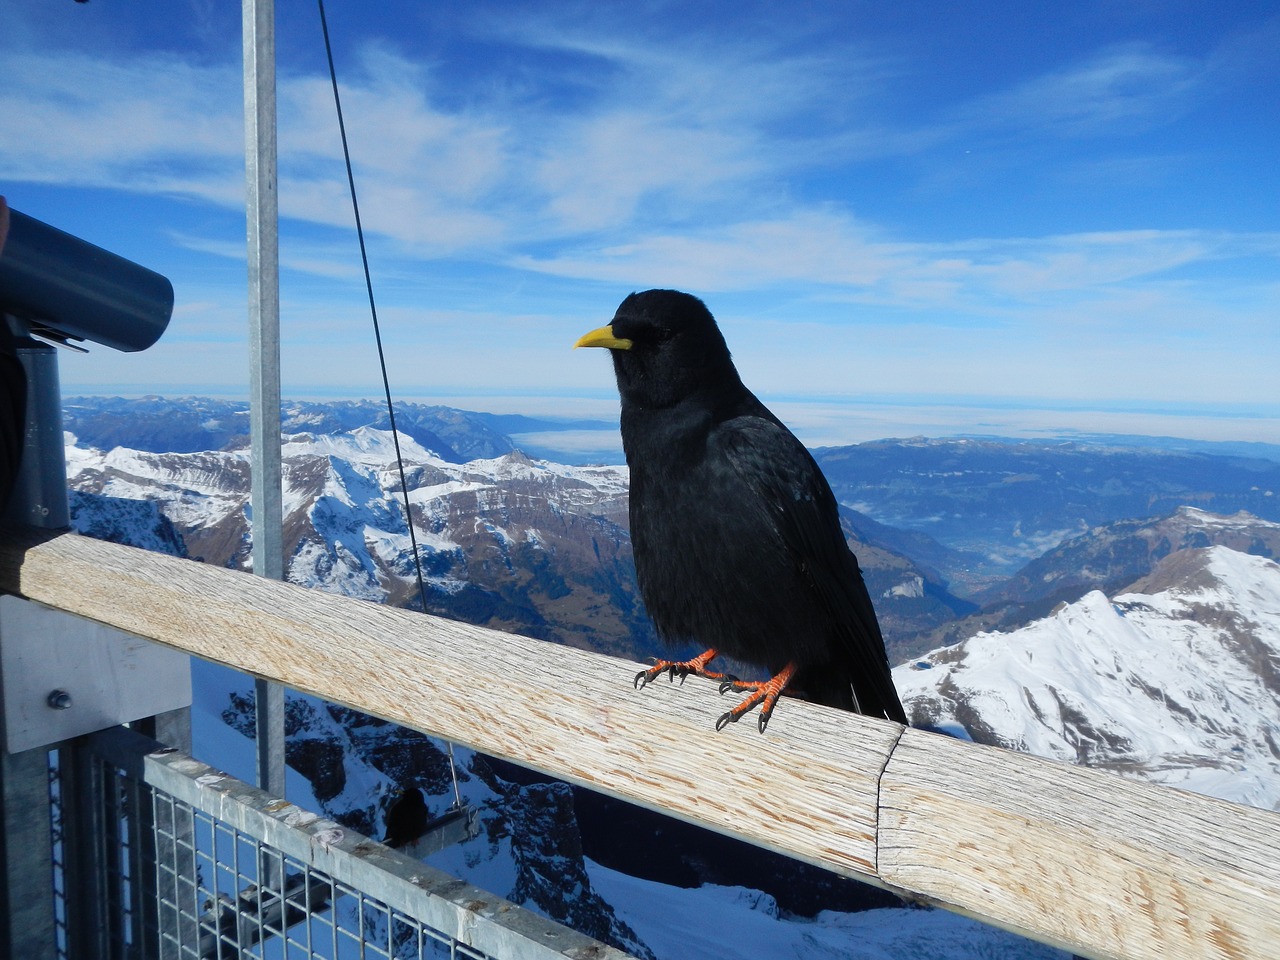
x=134 y=523
x=533 y=823
x=550 y=873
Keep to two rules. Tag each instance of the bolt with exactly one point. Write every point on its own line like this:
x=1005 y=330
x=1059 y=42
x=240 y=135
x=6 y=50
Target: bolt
x=59 y=700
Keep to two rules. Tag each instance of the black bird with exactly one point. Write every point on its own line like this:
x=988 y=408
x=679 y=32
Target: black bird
x=406 y=817
x=736 y=533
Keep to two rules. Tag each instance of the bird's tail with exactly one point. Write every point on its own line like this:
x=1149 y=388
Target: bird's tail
x=835 y=687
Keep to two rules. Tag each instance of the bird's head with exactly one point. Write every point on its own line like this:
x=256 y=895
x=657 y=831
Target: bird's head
x=665 y=346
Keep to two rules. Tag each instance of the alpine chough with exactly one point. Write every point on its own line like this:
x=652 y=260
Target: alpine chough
x=736 y=533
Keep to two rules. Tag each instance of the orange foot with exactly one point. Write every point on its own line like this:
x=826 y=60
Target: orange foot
x=680 y=668
x=764 y=692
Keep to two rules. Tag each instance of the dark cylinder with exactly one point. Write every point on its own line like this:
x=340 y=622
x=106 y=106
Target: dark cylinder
x=62 y=284
x=39 y=497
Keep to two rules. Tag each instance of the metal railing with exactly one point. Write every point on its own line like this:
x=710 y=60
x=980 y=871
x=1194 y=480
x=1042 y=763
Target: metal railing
x=164 y=857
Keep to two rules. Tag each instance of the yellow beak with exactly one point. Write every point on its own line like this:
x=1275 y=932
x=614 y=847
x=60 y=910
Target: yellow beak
x=603 y=337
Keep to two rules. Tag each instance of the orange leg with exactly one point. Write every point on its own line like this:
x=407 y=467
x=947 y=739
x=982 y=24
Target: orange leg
x=680 y=668
x=765 y=692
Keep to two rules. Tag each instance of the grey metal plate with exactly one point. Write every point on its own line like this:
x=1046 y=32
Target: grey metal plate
x=110 y=676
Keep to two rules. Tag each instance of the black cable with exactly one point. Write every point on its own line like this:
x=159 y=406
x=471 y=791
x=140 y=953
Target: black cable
x=382 y=358
x=373 y=310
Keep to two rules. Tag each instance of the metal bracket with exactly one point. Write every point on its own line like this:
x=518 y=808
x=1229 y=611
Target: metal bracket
x=62 y=676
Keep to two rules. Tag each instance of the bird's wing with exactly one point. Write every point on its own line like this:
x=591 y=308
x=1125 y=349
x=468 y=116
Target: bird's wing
x=785 y=479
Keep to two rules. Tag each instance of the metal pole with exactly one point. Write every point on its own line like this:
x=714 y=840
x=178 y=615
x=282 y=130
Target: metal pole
x=264 y=350
x=39 y=496
x=27 y=924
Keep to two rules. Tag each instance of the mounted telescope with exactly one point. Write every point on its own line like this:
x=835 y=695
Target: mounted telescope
x=67 y=289
x=59 y=288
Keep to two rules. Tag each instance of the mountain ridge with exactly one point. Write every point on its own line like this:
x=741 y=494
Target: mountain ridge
x=1175 y=679
x=996 y=506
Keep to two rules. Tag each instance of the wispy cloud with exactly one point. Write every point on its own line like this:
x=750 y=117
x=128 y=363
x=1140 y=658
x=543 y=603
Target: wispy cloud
x=1116 y=90
x=678 y=157
x=667 y=169
x=679 y=133
x=151 y=125
x=828 y=248
x=320 y=260
x=429 y=178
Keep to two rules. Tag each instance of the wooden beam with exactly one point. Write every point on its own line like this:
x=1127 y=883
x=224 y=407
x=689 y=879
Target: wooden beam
x=563 y=711
x=1081 y=858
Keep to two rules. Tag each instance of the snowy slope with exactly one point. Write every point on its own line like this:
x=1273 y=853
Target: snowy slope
x=1176 y=681
x=733 y=923
x=512 y=543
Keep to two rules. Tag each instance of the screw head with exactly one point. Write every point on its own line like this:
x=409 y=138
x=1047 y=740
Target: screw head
x=59 y=700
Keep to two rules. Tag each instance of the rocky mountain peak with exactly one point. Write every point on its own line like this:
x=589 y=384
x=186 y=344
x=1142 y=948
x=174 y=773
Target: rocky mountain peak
x=1175 y=680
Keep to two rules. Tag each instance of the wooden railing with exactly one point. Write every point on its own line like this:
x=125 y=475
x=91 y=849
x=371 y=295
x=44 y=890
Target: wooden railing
x=1083 y=859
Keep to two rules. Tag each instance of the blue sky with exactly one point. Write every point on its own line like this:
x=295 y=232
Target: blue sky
x=909 y=218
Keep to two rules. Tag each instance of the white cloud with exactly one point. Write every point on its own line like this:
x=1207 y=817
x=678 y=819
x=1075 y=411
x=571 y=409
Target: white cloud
x=829 y=248
x=816 y=246
x=424 y=176
x=1112 y=91
x=151 y=125
x=317 y=260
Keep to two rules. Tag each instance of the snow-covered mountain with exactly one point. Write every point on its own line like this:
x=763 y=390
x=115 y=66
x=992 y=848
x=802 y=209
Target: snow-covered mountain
x=992 y=505
x=1106 y=558
x=1111 y=556
x=1174 y=680
x=196 y=424
x=509 y=542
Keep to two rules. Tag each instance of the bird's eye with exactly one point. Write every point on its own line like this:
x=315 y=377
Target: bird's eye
x=656 y=335
x=641 y=332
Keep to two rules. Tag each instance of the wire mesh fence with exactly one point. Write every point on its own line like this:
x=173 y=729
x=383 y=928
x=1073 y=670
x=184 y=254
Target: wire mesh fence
x=223 y=893
x=163 y=857
x=57 y=841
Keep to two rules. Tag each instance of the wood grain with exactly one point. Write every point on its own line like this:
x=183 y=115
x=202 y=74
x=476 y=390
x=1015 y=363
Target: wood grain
x=1085 y=859
x=566 y=712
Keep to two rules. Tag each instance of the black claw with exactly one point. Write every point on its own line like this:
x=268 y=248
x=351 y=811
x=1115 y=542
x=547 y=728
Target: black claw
x=725 y=720
x=725 y=686
x=764 y=719
x=642 y=679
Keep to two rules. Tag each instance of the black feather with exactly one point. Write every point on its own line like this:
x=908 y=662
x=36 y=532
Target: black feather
x=736 y=533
